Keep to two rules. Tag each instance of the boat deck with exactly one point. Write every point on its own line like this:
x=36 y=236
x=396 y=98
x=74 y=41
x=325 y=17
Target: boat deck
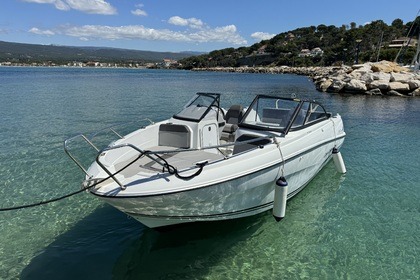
x=178 y=159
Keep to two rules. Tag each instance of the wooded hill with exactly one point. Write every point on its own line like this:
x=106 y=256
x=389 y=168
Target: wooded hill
x=320 y=46
x=31 y=53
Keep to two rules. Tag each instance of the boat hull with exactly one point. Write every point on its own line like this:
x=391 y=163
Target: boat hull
x=234 y=198
x=207 y=164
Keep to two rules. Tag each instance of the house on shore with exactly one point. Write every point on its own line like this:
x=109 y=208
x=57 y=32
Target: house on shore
x=311 y=53
x=403 y=42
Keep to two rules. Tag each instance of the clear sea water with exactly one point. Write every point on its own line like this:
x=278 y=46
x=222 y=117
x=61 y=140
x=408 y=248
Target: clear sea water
x=362 y=225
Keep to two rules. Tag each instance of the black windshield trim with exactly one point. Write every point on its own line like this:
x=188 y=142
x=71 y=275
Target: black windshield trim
x=288 y=127
x=263 y=128
x=216 y=101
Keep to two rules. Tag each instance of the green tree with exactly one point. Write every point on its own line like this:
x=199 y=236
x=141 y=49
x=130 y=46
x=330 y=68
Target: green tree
x=340 y=44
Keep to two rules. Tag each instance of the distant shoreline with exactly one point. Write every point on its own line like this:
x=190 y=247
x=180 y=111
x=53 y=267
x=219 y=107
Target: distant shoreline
x=72 y=67
x=380 y=78
x=383 y=78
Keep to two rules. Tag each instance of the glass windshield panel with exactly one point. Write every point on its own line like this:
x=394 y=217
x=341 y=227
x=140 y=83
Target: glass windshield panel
x=301 y=116
x=197 y=108
x=271 y=113
x=316 y=112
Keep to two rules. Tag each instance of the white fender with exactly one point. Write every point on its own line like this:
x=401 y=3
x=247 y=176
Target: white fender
x=338 y=161
x=280 y=198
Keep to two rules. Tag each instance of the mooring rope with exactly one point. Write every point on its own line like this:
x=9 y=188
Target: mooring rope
x=171 y=170
x=84 y=188
x=52 y=199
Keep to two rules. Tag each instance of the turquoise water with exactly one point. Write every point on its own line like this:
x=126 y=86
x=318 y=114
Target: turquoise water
x=362 y=225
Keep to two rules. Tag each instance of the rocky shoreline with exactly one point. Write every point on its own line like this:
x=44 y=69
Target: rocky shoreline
x=379 y=78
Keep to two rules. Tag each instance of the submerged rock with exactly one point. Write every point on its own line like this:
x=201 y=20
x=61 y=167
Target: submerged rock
x=375 y=91
x=393 y=93
x=415 y=92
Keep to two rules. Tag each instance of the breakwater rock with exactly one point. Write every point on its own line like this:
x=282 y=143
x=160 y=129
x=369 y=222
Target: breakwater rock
x=380 y=78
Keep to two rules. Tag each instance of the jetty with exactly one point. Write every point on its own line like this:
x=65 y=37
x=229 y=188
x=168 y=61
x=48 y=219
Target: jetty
x=371 y=78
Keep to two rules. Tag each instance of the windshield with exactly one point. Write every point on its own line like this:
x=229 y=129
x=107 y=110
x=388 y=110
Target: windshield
x=271 y=113
x=282 y=114
x=199 y=107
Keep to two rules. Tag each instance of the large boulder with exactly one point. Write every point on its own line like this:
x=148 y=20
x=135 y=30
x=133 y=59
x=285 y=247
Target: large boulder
x=414 y=84
x=355 y=86
x=381 y=76
x=323 y=84
x=380 y=84
x=362 y=71
x=336 y=86
x=386 y=67
x=398 y=86
x=366 y=67
x=401 y=77
x=367 y=78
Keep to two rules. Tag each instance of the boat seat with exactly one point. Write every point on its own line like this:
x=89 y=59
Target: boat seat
x=174 y=135
x=234 y=114
x=276 y=116
x=233 y=117
x=251 y=145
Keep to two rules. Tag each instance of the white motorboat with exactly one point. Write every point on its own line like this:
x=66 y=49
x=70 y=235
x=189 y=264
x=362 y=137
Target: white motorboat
x=208 y=164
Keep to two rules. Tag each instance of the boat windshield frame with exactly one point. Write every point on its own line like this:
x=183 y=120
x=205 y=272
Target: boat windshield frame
x=199 y=106
x=282 y=114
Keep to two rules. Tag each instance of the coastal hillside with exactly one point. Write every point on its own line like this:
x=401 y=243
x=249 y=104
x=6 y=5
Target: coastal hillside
x=322 y=46
x=31 y=53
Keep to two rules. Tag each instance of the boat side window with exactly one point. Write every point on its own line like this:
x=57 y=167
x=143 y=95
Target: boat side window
x=316 y=112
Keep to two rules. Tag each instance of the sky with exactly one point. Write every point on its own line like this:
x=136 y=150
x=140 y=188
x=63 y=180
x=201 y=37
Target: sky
x=182 y=25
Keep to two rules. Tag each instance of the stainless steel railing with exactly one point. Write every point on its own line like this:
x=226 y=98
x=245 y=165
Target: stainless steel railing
x=153 y=155
x=89 y=141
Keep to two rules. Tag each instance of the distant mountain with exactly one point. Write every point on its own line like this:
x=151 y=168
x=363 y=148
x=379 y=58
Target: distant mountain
x=30 y=53
x=193 y=53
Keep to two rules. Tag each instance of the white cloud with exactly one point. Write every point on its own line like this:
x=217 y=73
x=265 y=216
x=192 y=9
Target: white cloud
x=176 y=20
x=219 y=34
x=227 y=34
x=122 y=32
x=41 y=32
x=262 y=36
x=59 y=4
x=138 y=11
x=196 y=32
x=87 y=6
x=191 y=22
